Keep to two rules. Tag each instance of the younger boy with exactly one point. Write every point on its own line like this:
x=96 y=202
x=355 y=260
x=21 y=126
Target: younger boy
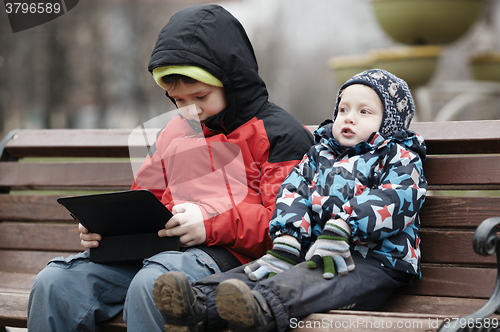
x=218 y=166
x=350 y=205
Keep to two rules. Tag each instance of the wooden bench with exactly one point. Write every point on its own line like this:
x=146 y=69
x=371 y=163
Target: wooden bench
x=37 y=166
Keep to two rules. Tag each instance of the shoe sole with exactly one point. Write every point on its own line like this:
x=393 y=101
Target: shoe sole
x=175 y=328
x=173 y=296
x=236 y=304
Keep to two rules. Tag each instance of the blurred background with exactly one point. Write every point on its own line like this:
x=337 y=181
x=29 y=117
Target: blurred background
x=88 y=68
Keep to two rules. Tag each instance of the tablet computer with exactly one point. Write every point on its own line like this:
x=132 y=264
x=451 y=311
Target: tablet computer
x=128 y=222
x=118 y=213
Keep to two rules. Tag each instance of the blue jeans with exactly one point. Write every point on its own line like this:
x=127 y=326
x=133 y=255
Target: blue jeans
x=74 y=294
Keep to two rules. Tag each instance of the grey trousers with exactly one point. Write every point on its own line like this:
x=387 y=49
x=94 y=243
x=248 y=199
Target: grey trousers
x=300 y=291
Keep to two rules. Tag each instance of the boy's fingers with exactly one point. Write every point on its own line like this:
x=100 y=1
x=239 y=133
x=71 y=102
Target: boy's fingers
x=89 y=244
x=173 y=231
x=341 y=266
x=82 y=228
x=178 y=209
x=350 y=263
x=165 y=232
x=173 y=222
x=328 y=267
x=187 y=239
x=314 y=261
x=259 y=274
x=253 y=266
x=90 y=237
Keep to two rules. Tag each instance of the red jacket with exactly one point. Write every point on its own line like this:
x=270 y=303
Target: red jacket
x=234 y=169
x=230 y=177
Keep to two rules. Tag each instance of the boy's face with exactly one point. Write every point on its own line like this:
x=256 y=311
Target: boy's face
x=359 y=115
x=204 y=100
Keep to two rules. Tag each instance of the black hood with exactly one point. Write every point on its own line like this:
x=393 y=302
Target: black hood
x=209 y=37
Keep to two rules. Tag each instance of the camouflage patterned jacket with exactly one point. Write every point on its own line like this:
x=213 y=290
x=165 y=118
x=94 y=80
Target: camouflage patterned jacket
x=377 y=187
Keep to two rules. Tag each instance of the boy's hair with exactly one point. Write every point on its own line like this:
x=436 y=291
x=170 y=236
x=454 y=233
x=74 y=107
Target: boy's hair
x=174 y=79
x=394 y=93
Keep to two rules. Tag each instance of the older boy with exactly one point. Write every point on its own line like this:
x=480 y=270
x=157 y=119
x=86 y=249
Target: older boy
x=226 y=128
x=351 y=206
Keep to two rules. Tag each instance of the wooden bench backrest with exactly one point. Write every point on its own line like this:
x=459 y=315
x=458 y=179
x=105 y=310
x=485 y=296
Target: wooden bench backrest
x=34 y=228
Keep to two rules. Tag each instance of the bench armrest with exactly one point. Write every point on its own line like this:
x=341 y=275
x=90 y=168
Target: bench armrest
x=485 y=241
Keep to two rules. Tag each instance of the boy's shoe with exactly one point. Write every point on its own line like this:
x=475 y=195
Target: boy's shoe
x=183 y=306
x=243 y=309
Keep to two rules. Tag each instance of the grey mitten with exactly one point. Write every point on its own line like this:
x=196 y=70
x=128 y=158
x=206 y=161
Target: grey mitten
x=284 y=254
x=332 y=247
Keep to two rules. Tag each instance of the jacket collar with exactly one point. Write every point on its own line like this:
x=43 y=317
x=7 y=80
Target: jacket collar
x=409 y=139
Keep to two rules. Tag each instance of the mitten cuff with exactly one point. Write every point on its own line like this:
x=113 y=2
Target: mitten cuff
x=336 y=228
x=286 y=249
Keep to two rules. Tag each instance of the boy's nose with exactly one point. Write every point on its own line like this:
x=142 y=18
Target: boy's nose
x=194 y=110
x=349 y=118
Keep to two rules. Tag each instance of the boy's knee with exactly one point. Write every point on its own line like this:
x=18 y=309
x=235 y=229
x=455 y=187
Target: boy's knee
x=50 y=276
x=142 y=284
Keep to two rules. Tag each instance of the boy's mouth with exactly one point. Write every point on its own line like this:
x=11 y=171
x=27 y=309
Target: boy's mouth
x=346 y=131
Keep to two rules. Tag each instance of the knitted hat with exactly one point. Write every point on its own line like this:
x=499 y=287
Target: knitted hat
x=395 y=95
x=194 y=72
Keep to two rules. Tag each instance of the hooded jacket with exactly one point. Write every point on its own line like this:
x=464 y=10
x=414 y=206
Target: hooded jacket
x=377 y=187
x=234 y=168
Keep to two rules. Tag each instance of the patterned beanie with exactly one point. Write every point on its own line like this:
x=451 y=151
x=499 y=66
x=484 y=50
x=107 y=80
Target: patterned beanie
x=395 y=95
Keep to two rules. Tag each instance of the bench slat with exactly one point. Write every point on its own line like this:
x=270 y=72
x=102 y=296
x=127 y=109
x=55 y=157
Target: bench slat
x=28 y=261
x=13 y=312
x=32 y=207
x=46 y=237
x=363 y=321
x=16 y=281
x=462 y=172
x=76 y=143
x=453 y=282
x=416 y=304
x=481 y=172
x=13 y=309
x=438 y=246
x=73 y=175
x=456 y=137
x=464 y=211
x=451 y=247
x=460 y=137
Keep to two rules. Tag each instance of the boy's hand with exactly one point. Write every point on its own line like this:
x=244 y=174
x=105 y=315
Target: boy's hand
x=88 y=240
x=332 y=246
x=187 y=223
x=284 y=254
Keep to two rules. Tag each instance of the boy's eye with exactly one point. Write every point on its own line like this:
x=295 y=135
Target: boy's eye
x=342 y=110
x=364 y=111
x=201 y=97
x=178 y=100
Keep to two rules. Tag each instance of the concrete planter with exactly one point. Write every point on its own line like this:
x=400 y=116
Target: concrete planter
x=347 y=66
x=414 y=64
x=486 y=66
x=419 y=22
